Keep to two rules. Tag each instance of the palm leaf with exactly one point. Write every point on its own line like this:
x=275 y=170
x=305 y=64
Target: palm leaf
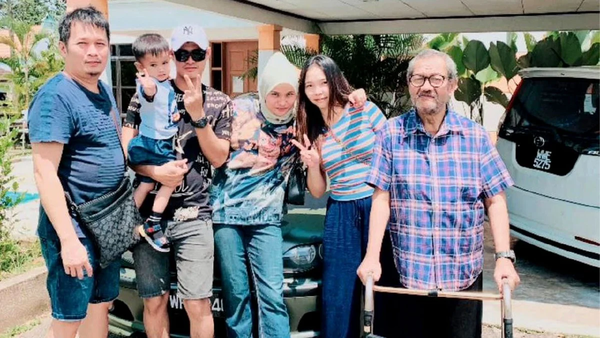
x=297 y=55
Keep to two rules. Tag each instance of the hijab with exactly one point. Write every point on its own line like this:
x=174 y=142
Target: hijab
x=278 y=70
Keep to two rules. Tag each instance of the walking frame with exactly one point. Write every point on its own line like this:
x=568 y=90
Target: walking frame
x=505 y=303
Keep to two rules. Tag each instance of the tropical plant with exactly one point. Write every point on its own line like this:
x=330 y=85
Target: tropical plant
x=8 y=185
x=32 y=12
x=479 y=66
x=30 y=67
x=444 y=41
x=376 y=63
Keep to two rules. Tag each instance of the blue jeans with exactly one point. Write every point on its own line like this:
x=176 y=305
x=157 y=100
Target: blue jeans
x=69 y=296
x=256 y=249
x=344 y=243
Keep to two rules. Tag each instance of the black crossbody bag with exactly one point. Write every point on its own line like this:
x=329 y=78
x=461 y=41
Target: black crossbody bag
x=111 y=219
x=296 y=187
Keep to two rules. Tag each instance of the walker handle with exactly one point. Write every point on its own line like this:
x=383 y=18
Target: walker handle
x=507 y=319
x=368 y=312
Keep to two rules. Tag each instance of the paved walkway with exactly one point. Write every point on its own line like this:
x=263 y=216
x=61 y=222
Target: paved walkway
x=556 y=294
x=26 y=214
x=488 y=332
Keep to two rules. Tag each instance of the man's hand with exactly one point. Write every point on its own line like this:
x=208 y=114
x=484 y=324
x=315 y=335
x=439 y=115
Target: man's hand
x=358 y=98
x=75 y=258
x=147 y=83
x=506 y=269
x=370 y=266
x=309 y=155
x=171 y=174
x=192 y=98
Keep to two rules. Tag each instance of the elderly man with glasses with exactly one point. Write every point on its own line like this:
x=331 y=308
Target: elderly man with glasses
x=203 y=136
x=435 y=174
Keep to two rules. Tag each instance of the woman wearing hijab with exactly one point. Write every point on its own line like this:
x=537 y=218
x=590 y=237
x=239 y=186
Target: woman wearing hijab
x=248 y=201
x=338 y=143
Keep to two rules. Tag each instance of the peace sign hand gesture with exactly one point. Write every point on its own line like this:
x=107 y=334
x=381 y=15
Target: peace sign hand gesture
x=147 y=83
x=192 y=98
x=308 y=153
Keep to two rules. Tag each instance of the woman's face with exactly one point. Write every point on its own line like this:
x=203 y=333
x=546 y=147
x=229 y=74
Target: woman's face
x=281 y=99
x=316 y=87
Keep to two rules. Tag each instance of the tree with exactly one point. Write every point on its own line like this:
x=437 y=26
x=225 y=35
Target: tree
x=31 y=12
x=377 y=63
x=30 y=67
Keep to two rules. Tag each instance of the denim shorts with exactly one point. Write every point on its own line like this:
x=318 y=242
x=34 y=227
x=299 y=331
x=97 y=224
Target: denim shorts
x=192 y=244
x=70 y=296
x=143 y=150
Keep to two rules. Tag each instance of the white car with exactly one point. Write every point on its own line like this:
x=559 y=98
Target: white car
x=549 y=140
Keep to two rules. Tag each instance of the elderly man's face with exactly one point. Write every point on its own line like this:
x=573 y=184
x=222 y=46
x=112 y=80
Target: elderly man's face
x=427 y=99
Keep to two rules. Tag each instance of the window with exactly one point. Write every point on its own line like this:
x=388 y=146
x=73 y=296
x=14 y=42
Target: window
x=123 y=75
x=216 y=78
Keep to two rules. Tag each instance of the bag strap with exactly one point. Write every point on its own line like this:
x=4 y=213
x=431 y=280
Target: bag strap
x=70 y=204
x=119 y=135
x=73 y=209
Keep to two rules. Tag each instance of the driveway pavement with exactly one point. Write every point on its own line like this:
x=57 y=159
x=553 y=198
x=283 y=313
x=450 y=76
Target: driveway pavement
x=488 y=332
x=555 y=295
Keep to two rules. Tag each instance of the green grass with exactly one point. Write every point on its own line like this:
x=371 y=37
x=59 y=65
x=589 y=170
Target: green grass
x=17 y=330
x=18 y=256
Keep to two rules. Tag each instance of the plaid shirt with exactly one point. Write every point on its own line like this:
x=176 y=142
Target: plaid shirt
x=437 y=189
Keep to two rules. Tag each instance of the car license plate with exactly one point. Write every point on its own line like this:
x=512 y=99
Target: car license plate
x=216 y=303
x=553 y=159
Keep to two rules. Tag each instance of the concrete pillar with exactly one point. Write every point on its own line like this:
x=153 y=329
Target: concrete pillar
x=313 y=42
x=102 y=6
x=269 y=42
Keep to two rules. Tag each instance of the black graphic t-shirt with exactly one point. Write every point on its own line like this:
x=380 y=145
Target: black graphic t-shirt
x=191 y=199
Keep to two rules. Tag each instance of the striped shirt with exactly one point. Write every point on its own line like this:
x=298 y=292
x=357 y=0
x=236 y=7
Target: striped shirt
x=437 y=187
x=346 y=151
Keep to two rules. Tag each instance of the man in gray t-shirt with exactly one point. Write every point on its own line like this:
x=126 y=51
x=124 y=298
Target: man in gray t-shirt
x=203 y=136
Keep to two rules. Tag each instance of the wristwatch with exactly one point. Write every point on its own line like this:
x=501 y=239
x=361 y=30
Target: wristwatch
x=201 y=123
x=506 y=254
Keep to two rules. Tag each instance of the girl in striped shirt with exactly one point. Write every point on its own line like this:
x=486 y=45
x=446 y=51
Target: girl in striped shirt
x=337 y=143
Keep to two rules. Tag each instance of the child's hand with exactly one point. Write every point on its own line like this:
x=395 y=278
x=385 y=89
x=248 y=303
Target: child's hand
x=176 y=117
x=147 y=83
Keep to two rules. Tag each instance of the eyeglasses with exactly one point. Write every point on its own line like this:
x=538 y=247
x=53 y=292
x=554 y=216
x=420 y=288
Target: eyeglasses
x=434 y=80
x=183 y=55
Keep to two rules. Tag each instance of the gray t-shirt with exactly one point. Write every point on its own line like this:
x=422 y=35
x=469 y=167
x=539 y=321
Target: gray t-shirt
x=191 y=199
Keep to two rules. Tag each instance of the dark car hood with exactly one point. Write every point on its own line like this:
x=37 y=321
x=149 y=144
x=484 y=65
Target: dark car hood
x=303 y=224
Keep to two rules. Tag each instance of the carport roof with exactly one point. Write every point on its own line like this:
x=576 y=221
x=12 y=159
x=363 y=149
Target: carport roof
x=411 y=16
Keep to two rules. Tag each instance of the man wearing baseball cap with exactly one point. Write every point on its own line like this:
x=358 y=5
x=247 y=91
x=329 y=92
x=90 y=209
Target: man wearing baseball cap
x=203 y=139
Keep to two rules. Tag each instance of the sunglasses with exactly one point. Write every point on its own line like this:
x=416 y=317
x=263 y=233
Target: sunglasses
x=183 y=55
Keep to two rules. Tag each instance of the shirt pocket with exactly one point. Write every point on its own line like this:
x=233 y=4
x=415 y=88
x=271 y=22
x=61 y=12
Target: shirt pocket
x=466 y=186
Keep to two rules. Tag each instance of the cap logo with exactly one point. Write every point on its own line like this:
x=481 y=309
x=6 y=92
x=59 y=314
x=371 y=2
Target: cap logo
x=188 y=30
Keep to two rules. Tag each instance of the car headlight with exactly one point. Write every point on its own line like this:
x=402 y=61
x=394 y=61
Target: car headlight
x=301 y=258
